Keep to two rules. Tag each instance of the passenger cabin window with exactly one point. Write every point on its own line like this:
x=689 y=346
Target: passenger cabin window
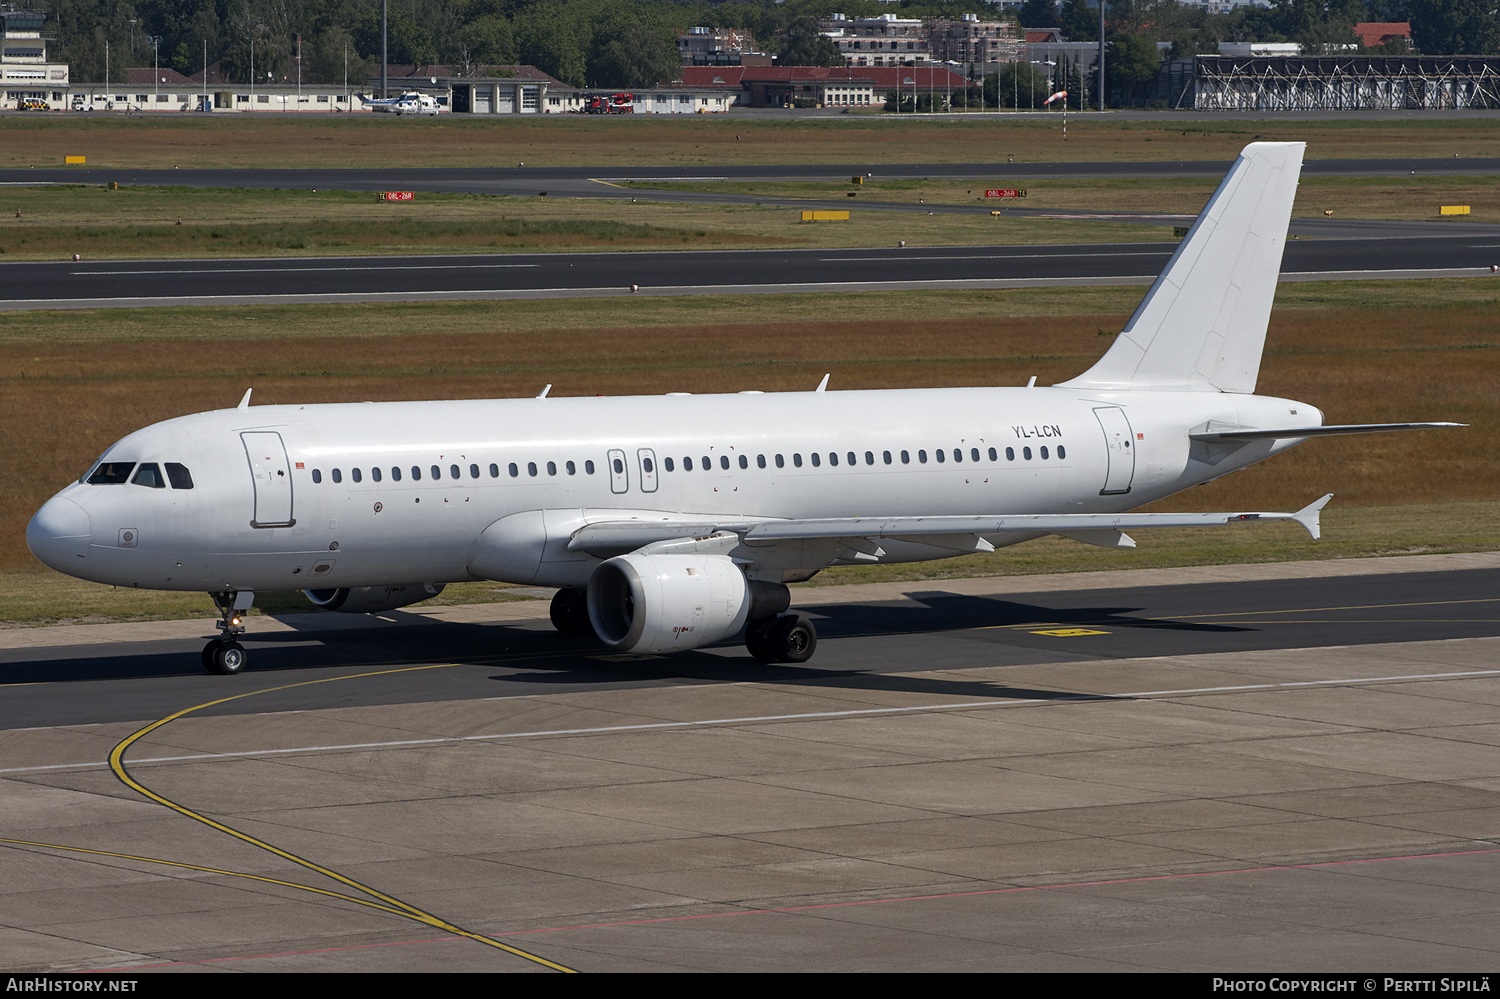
x=514 y=471
x=338 y=476
x=816 y=460
x=453 y=472
x=671 y=465
x=552 y=468
x=1062 y=452
x=317 y=475
x=494 y=470
x=744 y=462
x=181 y=478
x=375 y=474
x=149 y=474
x=112 y=473
x=355 y=474
x=687 y=464
x=588 y=466
x=780 y=461
x=573 y=469
x=1010 y=454
x=473 y=471
x=531 y=468
x=395 y=473
x=437 y=473
x=724 y=461
x=416 y=473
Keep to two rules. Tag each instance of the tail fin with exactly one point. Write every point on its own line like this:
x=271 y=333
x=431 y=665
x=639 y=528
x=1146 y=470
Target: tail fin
x=1202 y=326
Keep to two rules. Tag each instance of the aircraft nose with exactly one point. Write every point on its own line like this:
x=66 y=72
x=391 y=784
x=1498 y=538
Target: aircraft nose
x=59 y=534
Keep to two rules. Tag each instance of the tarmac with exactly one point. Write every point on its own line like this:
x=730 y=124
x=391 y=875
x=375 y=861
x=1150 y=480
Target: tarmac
x=1249 y=797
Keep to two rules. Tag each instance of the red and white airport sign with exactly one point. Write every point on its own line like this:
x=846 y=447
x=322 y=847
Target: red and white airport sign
x=1007 y=192
x=396 y=196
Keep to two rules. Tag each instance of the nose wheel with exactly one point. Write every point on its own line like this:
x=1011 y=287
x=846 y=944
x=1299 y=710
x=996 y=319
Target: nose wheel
x=224 y=655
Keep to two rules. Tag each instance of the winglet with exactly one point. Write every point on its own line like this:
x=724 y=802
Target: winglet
x=543 y=393
x=1308 y=515
x=245 y=401
x=822 y=384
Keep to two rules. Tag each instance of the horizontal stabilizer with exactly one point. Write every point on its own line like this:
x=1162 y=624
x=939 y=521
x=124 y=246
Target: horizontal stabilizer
x=1288 y=433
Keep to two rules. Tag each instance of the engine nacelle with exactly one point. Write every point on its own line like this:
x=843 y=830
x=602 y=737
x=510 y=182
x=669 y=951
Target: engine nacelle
x=667 y=603
x=372 y=599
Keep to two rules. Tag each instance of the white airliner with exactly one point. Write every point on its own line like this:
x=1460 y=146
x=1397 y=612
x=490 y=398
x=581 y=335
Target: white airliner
x=671 y=522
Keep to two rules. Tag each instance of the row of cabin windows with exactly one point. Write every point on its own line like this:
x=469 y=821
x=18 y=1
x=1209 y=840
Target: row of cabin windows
x=850 y=458
x=435 y=472
x=148 y=473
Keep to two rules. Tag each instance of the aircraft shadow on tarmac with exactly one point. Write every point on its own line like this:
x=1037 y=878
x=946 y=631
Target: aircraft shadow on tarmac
x=543 y=657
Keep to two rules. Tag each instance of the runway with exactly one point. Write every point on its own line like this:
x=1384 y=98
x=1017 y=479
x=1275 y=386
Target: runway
x=1271 y=767
x=151 y=283
x=1324 y=249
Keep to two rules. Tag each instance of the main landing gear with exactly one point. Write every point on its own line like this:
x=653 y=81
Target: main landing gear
x=224 y=655
x=570 y=612
x=786 y=638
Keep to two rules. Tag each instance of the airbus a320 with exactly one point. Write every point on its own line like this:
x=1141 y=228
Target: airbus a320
x=671 y=522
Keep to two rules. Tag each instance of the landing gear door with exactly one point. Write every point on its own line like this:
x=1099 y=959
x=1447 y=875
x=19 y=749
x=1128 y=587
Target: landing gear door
x=619 y=475
x=647 y=458
x=1120 y=447
x=272 y=478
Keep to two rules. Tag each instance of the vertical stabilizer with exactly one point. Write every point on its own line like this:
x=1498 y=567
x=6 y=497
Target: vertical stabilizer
x=1202 y=326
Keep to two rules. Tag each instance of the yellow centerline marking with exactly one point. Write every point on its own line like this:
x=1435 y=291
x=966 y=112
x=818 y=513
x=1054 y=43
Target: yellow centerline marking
x=396 y=906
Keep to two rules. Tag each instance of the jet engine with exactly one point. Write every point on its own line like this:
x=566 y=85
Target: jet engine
x=371 y=599
x=664 y=603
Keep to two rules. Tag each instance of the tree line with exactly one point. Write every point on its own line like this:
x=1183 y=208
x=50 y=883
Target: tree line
x=632 y=43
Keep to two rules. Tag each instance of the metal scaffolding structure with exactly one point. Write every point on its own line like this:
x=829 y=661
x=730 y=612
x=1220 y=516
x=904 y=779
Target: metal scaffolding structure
x=1343 y=83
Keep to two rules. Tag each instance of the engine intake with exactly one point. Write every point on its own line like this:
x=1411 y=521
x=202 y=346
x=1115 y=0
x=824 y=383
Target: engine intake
x=372 y=599
x=666 y=603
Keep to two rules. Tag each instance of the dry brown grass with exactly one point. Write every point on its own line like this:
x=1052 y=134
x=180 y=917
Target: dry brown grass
x=64 y=399
x=455 y=140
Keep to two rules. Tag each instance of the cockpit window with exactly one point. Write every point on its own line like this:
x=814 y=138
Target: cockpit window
x=111 y=473
x=149 y=474
x=179 y=476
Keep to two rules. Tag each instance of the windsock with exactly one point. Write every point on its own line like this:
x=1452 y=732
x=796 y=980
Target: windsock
x=1055 y=97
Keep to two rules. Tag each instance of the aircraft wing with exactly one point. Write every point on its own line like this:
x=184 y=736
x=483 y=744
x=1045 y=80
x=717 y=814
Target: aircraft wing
x=1288 y=433
x=953 y=533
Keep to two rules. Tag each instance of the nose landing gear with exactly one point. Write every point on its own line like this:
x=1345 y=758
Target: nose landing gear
x=224 y=655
